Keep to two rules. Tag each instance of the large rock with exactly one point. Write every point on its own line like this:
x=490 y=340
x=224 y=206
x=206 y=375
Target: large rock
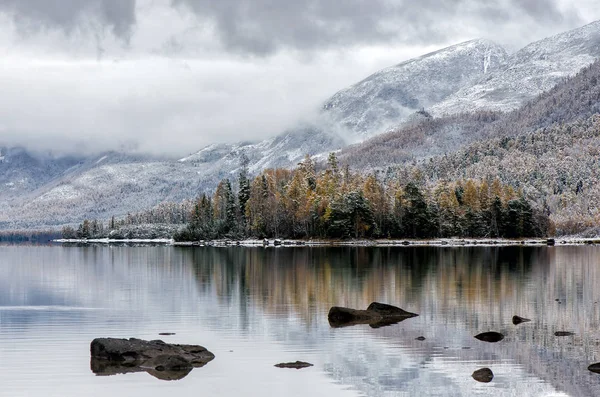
x=111 y=356
x=491 y=337
x=377 y=315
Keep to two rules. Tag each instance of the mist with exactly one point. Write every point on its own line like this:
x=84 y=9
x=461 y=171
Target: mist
x=169 y=77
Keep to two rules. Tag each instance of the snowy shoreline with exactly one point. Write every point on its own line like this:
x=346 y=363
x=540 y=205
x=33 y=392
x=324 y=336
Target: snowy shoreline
x=450 y=242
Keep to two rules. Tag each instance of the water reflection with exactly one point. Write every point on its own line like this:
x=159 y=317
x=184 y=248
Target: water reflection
x=271 y=305
x=459 y=292
x=106 y=368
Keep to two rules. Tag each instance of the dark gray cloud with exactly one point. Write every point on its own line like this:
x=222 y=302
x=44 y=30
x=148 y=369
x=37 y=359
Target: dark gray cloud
x=31 y=15
x=180 y=83
x=264 y=26
x=261 y=27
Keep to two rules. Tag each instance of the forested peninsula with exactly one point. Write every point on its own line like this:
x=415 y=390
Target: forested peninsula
x=337 y=203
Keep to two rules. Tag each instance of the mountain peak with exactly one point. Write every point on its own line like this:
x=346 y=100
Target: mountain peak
x=390 y=95
x=530 y=71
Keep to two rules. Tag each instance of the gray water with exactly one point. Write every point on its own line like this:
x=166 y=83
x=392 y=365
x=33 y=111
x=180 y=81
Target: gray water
x=256 y=307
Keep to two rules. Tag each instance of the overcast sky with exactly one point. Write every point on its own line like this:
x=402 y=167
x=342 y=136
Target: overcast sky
x=171 y=76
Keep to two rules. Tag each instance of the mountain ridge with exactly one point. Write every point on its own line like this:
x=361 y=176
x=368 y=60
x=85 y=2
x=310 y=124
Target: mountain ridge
x=99 y=186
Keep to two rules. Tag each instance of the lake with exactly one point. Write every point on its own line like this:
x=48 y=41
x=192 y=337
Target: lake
x=256 y=307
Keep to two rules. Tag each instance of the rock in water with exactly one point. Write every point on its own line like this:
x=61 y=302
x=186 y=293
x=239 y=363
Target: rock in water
x=389 y=310
x=595 y=368
x=484 y=375
x=491 y=337
x=563 y=333
x=516 y=320
x=111 y=356
x=377 y=315
x=296 y=365
x=420 y=338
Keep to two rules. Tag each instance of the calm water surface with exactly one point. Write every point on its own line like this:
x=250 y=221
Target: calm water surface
x=255 y=307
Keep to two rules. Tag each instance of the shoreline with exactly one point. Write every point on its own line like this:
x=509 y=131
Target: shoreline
x=448 y=242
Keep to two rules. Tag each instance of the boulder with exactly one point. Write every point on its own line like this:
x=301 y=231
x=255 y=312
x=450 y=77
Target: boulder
x=491 y=337
x=377 y=315
x=111 y=356
x=484 y=375
x=516 y=320
x=295 y=365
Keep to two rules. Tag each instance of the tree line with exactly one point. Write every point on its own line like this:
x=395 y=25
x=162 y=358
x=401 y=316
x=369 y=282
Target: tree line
x=339 y=203
x=336 y=203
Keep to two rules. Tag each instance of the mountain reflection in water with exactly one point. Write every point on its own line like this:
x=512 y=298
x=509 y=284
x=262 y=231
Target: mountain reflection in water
x=263 y=306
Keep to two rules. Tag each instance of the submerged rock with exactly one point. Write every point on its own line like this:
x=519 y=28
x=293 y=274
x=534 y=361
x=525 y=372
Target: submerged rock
x=491 y=337
x=295 y=365
x=484 y=375
x=563 y=333
x=516 y=320
x=111 y=356
x=377 y=315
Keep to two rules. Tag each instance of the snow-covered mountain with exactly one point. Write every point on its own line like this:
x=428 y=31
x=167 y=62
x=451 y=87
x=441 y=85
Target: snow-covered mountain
x=38 y=191
x=21 y=171
x=535 y=69
x=389 y=96
x=282 y=151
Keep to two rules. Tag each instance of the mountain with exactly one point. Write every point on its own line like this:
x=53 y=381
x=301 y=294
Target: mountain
x=389 y=96
x=527 y=73
x=22 y=172
x=549 y=149
x=38 y=191
x=572 y=100
x=282 y=151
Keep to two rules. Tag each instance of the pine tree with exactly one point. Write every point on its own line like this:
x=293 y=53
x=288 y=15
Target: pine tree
x=244 y=188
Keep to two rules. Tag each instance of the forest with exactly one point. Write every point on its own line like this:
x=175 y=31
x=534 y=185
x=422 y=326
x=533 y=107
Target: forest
x=337 y=203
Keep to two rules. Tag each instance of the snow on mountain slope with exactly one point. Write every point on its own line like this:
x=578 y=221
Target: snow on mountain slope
x=284 y=150
x=535 y=69
x=116 y=184
x=22 y=172
x=389 y=96
x=99 y=190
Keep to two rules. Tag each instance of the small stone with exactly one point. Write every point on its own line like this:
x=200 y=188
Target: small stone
x=516 y=320
x=166 y=333
x=563 y=333
x=295 y=365
x=421 y=338
x=484 y=375
x=595 y=368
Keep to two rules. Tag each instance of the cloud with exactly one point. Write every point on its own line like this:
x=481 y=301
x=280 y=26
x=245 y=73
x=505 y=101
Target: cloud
x=68 y=15
x=156 y=105
x=261 y=27
x=264 y=27
x=170 y=76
